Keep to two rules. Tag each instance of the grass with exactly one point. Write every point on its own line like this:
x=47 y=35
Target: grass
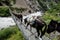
x=17 y=36
x=48 y=16
x=11 y=33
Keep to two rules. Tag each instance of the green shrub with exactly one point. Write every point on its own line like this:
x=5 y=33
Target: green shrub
x=6 y=33
x=8 y=2
x=4 y=11
x=48 y=16
x=18 y=10
x=9 y=33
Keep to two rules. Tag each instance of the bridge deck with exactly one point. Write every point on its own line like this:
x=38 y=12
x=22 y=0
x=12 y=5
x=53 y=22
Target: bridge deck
x=27 y=33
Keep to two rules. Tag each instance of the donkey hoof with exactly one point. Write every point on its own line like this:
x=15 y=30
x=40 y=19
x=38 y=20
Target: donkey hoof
x=36 y=36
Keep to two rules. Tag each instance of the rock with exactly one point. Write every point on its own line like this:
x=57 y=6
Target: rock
x=45 y=38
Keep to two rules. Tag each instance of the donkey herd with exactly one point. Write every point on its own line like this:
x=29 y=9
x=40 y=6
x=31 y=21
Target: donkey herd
x=39 y=24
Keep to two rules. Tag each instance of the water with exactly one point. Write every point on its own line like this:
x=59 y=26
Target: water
x=5 y=22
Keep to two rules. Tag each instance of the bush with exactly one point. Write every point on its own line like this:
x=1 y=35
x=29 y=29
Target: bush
x=5 y=33
x=19 y=10
x=8 y=2
x=11 y=33
x=48 y=16
x=4 y=12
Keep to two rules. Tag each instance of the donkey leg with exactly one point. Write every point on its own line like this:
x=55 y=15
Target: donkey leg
x=30 y=28
x=38 y=33
x=21 y=20
x=27 y=25
x=42 y=33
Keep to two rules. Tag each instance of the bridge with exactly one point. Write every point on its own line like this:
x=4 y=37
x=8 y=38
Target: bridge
x=28 y=35
x=26 y=32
